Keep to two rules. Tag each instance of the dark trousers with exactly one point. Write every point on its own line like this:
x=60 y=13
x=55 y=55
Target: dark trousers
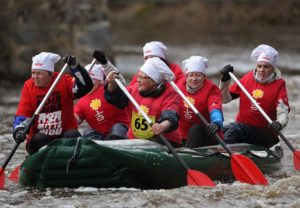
x=198 y=137
x=39 y=140
x=242 y=133
x=117 y=131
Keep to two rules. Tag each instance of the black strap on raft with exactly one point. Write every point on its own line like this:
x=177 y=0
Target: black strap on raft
x=72 y=162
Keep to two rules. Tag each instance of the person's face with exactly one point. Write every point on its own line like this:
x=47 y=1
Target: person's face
x=96 y=83
x=195 y=79
x=41 y=78
x=145 y=83
x=264 y=70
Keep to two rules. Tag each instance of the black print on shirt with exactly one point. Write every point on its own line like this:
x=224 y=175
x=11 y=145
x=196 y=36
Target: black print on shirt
x=49 y=120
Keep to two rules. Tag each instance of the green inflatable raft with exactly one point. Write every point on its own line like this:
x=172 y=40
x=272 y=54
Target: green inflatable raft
x=132 y=163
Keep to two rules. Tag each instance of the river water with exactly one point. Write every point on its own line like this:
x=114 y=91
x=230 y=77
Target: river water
x=283 y=190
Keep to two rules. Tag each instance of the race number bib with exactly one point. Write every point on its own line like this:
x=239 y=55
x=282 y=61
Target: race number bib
x=140 y=127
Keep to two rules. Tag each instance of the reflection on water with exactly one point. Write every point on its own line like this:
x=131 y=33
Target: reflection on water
x=283 y=190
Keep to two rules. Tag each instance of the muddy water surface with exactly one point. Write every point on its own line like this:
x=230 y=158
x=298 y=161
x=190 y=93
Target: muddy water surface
x=283 y=191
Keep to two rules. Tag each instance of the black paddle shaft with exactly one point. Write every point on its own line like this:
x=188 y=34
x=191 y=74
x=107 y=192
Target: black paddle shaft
x=217 y=137
x=167 y=143
x=26 y=130
x=286 y=141
x=73 y=160
x=10 y=155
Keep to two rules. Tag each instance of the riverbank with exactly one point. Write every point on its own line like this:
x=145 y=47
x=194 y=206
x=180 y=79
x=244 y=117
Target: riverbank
x=223 y=31
x=239 y=23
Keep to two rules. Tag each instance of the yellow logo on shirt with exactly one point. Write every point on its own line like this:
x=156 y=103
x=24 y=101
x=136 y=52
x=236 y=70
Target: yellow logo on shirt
x=95 y=104
x=145 y=109
x=257 y=93
x=192 y=100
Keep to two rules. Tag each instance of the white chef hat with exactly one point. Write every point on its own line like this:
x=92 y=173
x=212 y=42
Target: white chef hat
x=195 y=64
x=45 y=61
x=265 y=53
x=158 y=70
x=155 y=48
x=97 y=72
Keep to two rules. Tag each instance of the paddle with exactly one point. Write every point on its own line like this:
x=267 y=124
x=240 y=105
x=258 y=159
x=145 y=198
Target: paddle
x=92 y=65
x=296 y=152
x=26 y=130
x=243 y=168
x=14 y=176
x=194 y=178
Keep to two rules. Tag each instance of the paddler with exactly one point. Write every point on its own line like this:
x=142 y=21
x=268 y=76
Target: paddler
x=268 y=88
x=56 y=119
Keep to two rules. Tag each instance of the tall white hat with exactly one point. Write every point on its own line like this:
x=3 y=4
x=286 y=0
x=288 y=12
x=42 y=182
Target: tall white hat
x=97 y=72
x=158 y=70
x=155 y=48
x=45 y=61
x=265 y=53
x=195 y=64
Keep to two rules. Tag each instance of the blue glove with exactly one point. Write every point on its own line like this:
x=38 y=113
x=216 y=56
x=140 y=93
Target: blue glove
x=18 y=132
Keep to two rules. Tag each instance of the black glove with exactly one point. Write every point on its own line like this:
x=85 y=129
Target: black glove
x=18 y=133
x=275 y=126
x=225 y=72
x=212 y=128
x=100 y=56
x=70 y=60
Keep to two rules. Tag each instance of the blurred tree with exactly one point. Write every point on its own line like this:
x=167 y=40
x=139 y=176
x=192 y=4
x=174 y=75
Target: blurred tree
x=31 y=26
